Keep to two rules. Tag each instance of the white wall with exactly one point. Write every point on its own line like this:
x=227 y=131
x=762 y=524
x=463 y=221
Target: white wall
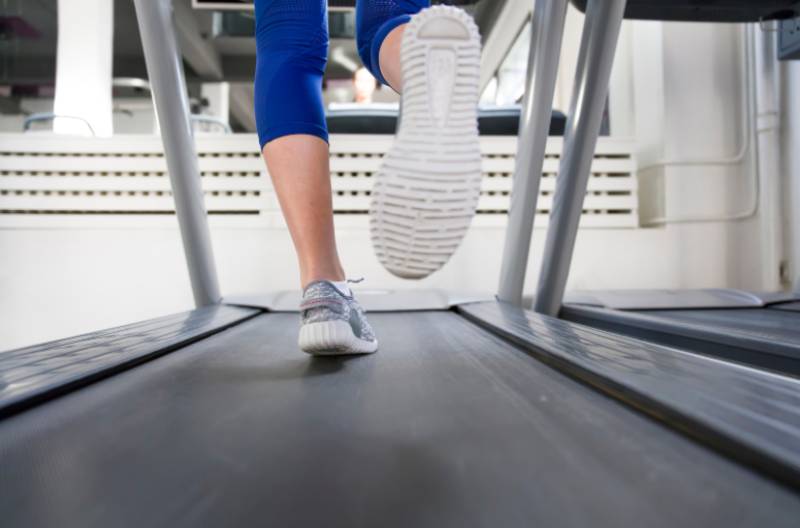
x=134 y=116
x=61 y=282
x=697 y=150
x=791 y=164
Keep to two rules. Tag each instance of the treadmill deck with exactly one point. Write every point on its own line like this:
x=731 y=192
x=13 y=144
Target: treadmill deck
x=448 y=425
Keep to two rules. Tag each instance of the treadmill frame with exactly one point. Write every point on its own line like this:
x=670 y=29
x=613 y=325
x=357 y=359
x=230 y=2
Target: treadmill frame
x=747 y=414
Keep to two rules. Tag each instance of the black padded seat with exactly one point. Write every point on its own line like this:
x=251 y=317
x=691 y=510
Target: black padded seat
x=502 y=121
x=352 y=3
x=708 y=10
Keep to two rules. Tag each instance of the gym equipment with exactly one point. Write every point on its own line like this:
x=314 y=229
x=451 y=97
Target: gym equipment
x=745 y=327
x=473 y=413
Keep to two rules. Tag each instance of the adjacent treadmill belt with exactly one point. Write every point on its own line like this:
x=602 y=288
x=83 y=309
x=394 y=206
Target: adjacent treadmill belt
x=770 y=325
x=762 y=337
x=789 y=306
x=448 y=425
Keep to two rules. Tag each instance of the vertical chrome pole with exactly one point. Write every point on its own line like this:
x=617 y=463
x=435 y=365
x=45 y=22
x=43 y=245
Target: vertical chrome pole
x=165 y=69
x=768 y=111
x=598 y=46
x=547 y=32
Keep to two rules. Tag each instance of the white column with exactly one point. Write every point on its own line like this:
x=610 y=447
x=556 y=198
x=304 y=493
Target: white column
x=84 y=67
x=791 y=162
x=218 y=96
x=621 y=111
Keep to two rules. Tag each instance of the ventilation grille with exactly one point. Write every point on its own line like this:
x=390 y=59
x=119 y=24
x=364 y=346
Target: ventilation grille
x=127 y=176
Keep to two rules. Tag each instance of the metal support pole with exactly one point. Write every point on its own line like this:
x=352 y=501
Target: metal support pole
x=547 y=32
x=164 y=67
x=768 y=111
x=598 y=46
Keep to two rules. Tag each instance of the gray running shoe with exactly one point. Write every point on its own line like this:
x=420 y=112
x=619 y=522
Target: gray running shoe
x=333 y=323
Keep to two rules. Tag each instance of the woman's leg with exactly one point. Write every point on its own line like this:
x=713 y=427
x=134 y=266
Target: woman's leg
x=380 y=25
x=300 y=174
x=292 y=50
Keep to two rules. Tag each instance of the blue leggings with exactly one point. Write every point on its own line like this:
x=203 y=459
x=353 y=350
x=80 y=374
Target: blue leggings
x=292 y=51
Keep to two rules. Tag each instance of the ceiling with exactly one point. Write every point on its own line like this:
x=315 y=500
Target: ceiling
x=28 y=36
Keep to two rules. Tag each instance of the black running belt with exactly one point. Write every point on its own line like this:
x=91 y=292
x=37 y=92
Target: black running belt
x=448 y=425
x=790 y=306
x=780 y=328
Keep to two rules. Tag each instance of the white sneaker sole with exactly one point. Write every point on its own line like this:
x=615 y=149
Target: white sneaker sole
x=333 y=338
x=427 y=190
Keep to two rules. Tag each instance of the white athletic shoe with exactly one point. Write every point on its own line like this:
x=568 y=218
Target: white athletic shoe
x=428 y=187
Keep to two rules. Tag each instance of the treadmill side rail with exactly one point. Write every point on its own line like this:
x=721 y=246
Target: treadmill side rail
x=33 y=374
x=764 y=338
x=745 y=413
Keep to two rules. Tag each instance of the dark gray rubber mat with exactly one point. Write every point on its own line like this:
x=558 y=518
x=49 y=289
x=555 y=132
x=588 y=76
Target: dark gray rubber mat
x=448 y=425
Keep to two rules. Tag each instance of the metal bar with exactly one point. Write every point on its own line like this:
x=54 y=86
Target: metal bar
x=768 y=111
x=547 y=32
x=50 y=116
x=598 y=45
x=164 y=67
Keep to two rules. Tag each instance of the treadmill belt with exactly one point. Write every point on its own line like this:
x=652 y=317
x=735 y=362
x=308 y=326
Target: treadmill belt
x=789 y=306
x=447 y=425
x=769 y=325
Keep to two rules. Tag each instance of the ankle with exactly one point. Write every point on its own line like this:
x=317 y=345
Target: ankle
x=326 y=275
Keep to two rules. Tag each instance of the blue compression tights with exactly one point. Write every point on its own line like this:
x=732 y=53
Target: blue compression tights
x=292 y=51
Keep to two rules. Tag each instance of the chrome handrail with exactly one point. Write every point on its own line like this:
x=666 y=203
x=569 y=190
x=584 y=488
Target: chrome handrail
x=50 y=116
